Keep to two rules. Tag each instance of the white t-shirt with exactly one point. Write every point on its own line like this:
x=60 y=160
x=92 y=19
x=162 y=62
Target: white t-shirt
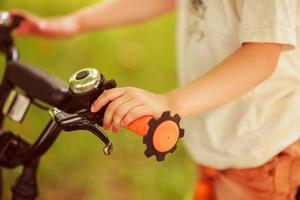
x=252 y=129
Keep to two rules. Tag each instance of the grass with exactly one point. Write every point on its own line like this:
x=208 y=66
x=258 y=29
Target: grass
x=75 y=167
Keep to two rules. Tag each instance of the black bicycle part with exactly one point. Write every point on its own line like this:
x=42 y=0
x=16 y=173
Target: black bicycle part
x=1 y=184
x=6 y=41
x=12 y=149
x=39 y=85
x=36 y=83
x=63 y=99
x=82 y=121
x=43 y=143
x=26 y=187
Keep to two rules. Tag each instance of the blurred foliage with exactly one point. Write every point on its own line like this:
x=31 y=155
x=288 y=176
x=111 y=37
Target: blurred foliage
x=75 y=167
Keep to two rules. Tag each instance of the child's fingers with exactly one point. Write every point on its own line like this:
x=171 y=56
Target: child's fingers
x=121 y=111
x=106 y=97
x=109 y=112
x=134 y=114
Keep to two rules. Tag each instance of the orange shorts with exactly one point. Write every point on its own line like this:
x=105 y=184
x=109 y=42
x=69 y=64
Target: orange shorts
x=278 y=179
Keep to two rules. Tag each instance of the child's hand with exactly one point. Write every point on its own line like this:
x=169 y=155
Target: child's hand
x=128 y=104
x=55 y=27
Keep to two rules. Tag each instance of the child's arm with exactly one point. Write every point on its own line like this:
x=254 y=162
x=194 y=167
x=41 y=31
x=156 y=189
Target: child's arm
x=121 y=12
x=107 y=14
x=239 y=73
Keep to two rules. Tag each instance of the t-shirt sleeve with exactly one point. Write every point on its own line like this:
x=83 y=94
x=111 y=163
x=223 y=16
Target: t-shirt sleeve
x=268 y=21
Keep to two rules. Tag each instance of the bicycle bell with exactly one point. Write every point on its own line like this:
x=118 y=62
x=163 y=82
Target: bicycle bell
x=85 y=80
x=5 y=19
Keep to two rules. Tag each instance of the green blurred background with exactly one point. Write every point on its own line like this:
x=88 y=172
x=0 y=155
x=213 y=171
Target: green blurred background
x=75 y=167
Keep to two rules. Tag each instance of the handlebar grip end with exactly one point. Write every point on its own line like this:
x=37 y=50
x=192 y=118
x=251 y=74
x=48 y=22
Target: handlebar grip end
x=160 y=135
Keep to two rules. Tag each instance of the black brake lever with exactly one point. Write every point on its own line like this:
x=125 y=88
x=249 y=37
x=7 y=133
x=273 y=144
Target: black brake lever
x=16 y=21
x=7 y=25
x=81 y=121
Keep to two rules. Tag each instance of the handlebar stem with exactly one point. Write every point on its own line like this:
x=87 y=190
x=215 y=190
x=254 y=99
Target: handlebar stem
x=44 y=142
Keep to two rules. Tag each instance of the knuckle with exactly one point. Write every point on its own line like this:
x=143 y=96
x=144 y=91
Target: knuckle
x=116 y=122
x=106 y=118
x=99 y=102
x=105 y=99
x=105 y=122
x=131 y=90
x=126 y=120
x=111 y=106
x=133 y=114
x=105 y=95
x=118 y=113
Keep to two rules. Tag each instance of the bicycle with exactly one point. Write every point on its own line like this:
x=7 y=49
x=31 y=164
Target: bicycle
x=24 y=85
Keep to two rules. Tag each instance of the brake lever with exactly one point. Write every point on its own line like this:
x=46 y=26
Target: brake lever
x=81 y=121
x=16 y=22
x=7 y=24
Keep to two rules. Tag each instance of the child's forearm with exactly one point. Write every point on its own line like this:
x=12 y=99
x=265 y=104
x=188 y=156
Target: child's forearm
x=235 y=76
x=120 y=12
x=110 y=13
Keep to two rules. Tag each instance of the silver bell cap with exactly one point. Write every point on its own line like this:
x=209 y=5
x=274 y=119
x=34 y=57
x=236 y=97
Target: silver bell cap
x=84 y=80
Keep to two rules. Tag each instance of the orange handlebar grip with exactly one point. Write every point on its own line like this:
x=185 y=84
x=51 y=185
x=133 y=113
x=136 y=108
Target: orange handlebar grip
x=165 y=135
x=160 y=135
x=140 y=126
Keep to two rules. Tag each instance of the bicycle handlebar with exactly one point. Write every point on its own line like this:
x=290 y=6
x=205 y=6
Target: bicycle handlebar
x=36 y=83
x=159 y=135
x=85 y=86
